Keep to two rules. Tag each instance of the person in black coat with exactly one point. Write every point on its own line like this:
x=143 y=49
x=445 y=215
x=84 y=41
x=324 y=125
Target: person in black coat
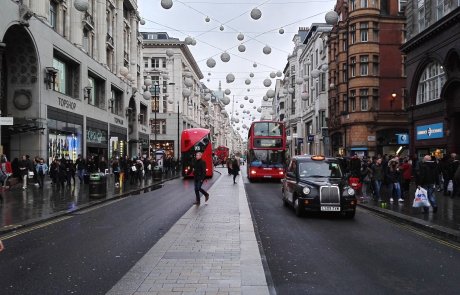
x=199 y=171
x=428 y=175
x=235 y=168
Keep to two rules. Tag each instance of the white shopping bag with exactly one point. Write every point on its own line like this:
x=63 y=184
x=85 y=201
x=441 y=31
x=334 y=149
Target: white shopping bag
x=450 y=186
x=421 y=198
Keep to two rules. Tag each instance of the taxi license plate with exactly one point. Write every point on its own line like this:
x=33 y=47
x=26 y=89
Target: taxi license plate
x=330 y=208
x=267 y=176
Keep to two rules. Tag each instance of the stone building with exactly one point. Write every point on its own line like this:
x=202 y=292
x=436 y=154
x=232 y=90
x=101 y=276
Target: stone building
x=433 y=76
x=70 y=78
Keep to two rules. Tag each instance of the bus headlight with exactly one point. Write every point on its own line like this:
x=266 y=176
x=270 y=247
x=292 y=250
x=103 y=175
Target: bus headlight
x=306 y=190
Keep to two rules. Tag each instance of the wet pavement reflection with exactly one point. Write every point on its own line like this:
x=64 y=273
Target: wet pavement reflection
x=448 y=214
x=18 y=206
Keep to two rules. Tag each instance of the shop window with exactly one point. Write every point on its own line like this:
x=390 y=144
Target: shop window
x=116 y=101
x=67 y=79
x=64 y=140
x=143 y=114
x=96 y=91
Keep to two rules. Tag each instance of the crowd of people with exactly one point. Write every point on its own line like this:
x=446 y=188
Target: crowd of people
x=65 y=171
x=394 y=175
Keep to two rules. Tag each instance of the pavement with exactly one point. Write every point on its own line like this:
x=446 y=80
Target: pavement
x=212 y=249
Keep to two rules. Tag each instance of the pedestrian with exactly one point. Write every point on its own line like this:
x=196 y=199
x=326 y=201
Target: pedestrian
x=102 y=165
x=428 y=174
x=453 y=171
x=235 y=168
x=42 y=170
x=62 y=174
x=5 y=167
x=406 y=169
x=24 y=168
x=54 y=171
x=1 y=246
x=116 y=171
x=378 y=173
x=199 y=172
x=393 y=177
x=366 y=174
x=229 y=166
x=70 y=170
x=80 y=165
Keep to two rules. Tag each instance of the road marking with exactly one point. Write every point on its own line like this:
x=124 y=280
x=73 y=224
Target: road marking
x=92 y=208
x=418 y=232
x=29 y=229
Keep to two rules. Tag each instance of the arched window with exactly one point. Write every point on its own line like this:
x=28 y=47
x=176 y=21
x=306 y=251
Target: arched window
x=430 y=84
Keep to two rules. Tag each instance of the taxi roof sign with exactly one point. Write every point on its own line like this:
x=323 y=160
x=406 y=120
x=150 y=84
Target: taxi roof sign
x=317 y=158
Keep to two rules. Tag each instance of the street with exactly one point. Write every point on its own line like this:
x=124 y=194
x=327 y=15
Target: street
x=89 y=251
x=332 y=255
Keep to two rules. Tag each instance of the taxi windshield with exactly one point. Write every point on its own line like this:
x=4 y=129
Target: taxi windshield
x=319 y=169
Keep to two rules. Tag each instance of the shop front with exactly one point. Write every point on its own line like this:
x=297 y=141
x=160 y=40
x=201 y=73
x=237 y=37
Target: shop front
x=96 y=140
x=430 y=139
x=65 y=134
x=144 y=143
x=393 y=142
x=166 y=145
x=117 y=142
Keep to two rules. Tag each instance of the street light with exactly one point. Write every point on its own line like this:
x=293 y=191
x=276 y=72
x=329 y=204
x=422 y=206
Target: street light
x=392 y=99
x=178 y=119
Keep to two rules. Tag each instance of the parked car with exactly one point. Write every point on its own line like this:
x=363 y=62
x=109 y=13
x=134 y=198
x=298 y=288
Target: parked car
x=317 y=184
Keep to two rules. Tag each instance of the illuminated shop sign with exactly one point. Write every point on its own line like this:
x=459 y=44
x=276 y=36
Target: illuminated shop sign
x=430 y=131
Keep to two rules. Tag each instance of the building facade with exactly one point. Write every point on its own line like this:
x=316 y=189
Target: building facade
x=70 y=78
x=367 y=100
x=433 y=76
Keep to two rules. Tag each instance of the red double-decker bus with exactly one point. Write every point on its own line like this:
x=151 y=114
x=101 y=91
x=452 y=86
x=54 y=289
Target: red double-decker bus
x=266 y=156
x=196 y=140
x=222 y=153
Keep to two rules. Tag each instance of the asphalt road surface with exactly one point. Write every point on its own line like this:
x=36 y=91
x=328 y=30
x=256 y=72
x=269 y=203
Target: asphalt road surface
x=89 y=251
x=332 y=255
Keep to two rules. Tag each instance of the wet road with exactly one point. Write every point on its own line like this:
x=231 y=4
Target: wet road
x=367 y=255
x=88 y=252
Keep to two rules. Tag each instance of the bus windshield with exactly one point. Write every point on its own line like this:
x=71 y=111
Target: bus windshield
x=266 y=158
x=267 y=129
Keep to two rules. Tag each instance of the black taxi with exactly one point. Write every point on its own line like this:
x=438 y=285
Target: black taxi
x=317 y=184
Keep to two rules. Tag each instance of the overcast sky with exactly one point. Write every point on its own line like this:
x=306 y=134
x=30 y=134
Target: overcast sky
x=187 y=18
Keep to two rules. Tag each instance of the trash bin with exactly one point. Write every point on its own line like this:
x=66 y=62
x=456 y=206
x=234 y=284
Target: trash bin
x=97 y=185
x=157 y=173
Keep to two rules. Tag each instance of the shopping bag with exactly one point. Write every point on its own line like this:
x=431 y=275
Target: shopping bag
x=421 y=198
x=450 y=186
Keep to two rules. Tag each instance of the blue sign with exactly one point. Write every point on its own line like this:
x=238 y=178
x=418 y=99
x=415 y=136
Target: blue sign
x=430 y=131
x=299 y=140
x=311 y=138
x=402 y=138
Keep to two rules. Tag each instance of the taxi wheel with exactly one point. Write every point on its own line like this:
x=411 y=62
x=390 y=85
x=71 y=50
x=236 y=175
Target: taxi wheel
x=298 y=208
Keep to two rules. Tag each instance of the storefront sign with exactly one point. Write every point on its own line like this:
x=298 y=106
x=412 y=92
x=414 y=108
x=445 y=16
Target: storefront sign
x=6 y=121
x=311 y=138
x=371 y=138
x=96 y=136
x=430 y=131
x=402 y=138
x=143 y=129
x=118 y=120
x=67 y=104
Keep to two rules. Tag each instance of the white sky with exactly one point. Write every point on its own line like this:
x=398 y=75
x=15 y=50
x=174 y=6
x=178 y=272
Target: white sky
x=187 y=18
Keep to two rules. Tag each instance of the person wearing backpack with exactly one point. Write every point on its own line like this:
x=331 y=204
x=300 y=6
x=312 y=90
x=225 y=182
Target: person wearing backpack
x=42 y=169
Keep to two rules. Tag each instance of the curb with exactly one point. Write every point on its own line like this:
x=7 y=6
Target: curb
x=440 y=231
x=96 y=202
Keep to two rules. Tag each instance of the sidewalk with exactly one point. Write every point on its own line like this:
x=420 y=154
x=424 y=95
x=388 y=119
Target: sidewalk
x=444 y=223
x=212 y=249
x=20 y=208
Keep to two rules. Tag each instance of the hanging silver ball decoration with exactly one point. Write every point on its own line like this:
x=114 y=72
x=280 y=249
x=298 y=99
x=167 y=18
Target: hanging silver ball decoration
x=305 y=78
x=225 y=100
x=267 y=82
x=315 y=73
x=331 y=17
x=291 y=90
x=193 y=42
x=241 y=48
x=254 y=65
x=246 y=98
x=256 y=13
x=221 y=27
x=166 y=4
x=188 y=40
x=207 y=97
x=230 y=78
x=186 y=92
x=272 y=112
x=208 y=80
x=254 y=107
x=259 y=110
x=249 y=90
x=304 y=96
x=251 y=100
x=170 y=100
x=225 y=57
x=324 y=67
x=299 y=81
x=281 y=31
x=240 y=37
x=142 y=21
x=267 y=49
x=211 y=62
x=272 y=75
x=241 y=105
x=251 y=75
x=207 y=19
x=247 y=81
x=188 y=82
x=81 y=5
x=279 y=74
x=265 y=98
x=209 y=74
x=169 y=52
x=270 y=93
x=227 y=91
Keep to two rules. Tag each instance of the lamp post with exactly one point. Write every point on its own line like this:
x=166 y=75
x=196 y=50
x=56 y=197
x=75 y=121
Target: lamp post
x=155 y=90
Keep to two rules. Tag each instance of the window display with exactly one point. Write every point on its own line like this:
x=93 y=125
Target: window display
x=64 y=140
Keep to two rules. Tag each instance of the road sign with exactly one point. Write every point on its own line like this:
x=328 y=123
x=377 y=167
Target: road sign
x=6 y=120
